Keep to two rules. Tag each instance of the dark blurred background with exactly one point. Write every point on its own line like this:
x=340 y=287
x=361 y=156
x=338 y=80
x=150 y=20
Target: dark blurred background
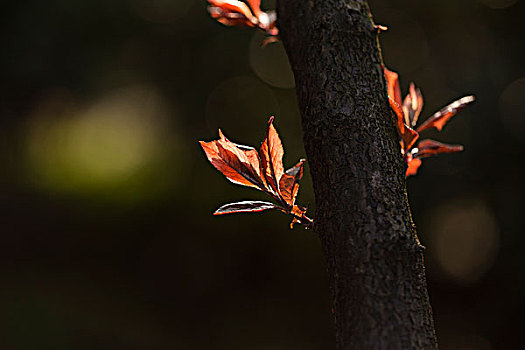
x=107 y=237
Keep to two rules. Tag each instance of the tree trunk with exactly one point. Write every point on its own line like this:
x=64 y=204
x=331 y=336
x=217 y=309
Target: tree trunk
x=374 y=259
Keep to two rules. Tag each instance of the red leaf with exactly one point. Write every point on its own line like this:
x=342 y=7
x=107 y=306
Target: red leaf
x=413 y=165
x=272 y=153
x=232 y=6
x=242 y=165
x=408 y=135
x=255 y=5
x=297 y=169
x=409 y=138
x=234 y=22
x=267 y=22
x=399 y=114
x=289 y=183
x=239 y=166
x=232 y=13
x=407 y=117
x=245 y=207
x=440 y=118
x=246 y=162
x=294 y=221
x=237 y=13
x=412 y=105
x=251 y=155
x=299 y=216
x=392 y=84
x=428 y=148
x=232 y=19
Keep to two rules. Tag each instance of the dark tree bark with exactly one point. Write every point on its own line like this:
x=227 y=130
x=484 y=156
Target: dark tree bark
x=374 y=259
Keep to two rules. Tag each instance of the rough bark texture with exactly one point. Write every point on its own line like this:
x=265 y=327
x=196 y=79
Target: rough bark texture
x=374 y=260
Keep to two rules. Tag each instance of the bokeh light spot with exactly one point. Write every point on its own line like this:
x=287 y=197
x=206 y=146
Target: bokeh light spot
x=270 y=63
x=118 y=141
x=464 y=239
x=512 y=105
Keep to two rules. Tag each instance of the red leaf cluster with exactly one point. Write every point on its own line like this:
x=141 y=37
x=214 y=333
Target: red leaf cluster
x=263 y=170
x=407 y=112
x=243 y=14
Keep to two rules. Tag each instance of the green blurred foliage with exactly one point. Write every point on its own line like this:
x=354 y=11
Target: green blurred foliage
x=108 y=241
